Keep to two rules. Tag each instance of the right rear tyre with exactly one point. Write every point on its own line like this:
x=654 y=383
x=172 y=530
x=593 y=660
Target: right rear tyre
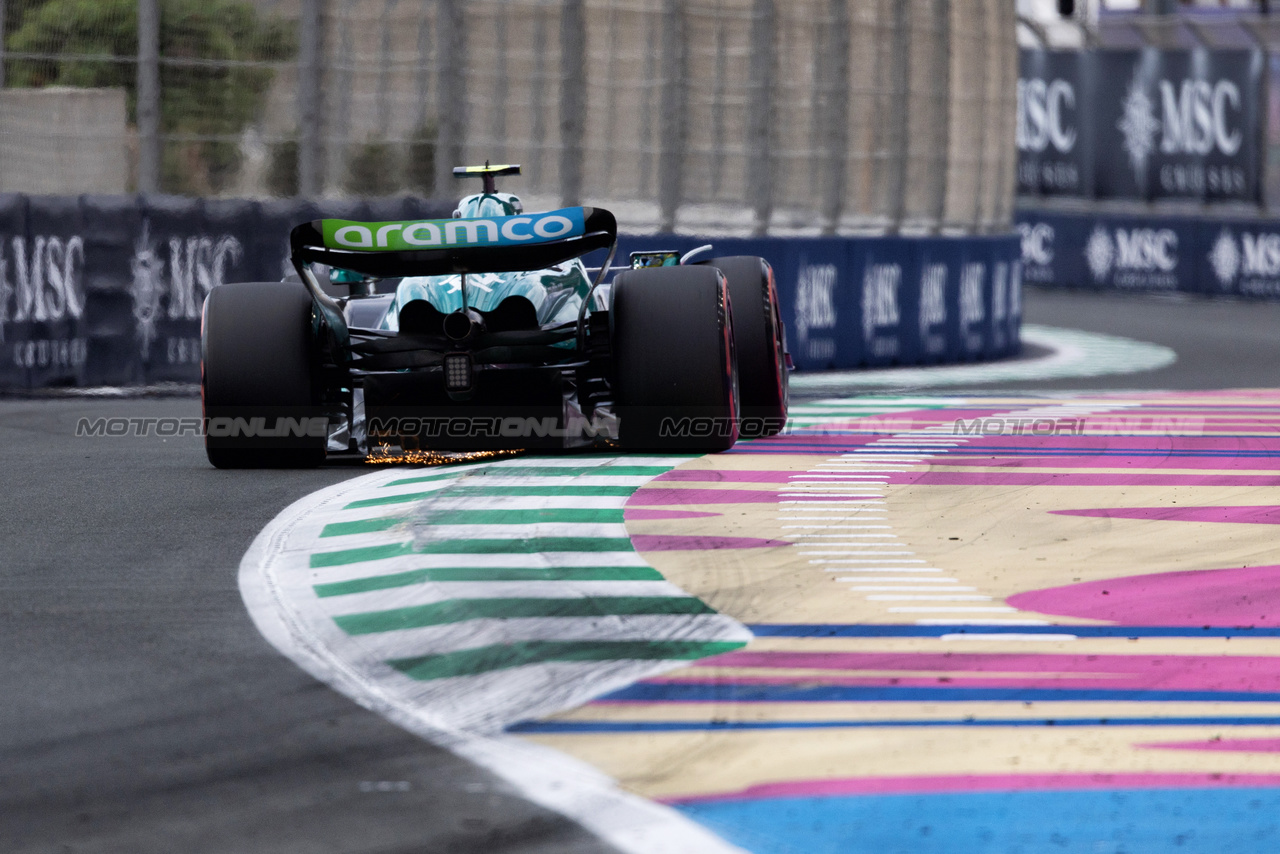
x=758 y=335
x=675 y=369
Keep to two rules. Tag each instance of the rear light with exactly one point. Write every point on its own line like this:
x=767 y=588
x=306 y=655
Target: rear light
x=459 y=374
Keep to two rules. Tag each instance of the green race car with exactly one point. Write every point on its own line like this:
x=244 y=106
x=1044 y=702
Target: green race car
x=488 y=331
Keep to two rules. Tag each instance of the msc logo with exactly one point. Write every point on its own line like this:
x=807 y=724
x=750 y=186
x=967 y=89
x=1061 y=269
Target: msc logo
x=880 y=285
x=1144 y=250
x=1253 y=256
x=1037 y=243
x=41 y=280
x=880 y=297
x=815 y=298
x=1042 y=112
x=440 y=233
x=933 y=307
x=1195 y=118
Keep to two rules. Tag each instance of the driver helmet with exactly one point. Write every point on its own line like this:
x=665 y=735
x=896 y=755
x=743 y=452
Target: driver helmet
x=488 y=204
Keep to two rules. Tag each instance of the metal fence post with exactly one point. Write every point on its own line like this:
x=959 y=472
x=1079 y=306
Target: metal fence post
x=310 y=109
x=451 y=91
x=421 y=72
x=942 y=13
x=501 y=87
x=834 y=107
x=339 y=89
x=538 y=97
x=975 y=224
x=2 y=35
x=672 y=114
x=148 y=96
x=384 y=70
x=760 y=83
x=573 y=99
x=901 y=115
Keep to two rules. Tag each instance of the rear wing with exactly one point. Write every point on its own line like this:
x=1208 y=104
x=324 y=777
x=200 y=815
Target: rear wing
x=499 y=244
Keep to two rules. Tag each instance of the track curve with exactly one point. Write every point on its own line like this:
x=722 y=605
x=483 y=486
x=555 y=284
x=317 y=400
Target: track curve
x=143 y=711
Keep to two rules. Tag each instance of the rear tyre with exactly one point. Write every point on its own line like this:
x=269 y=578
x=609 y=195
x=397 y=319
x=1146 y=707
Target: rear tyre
x=675 y=371
x=758 y=336
x=257 y=382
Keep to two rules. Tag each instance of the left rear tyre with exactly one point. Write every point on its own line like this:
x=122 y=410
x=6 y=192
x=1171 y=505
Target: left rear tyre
x=675 y=370
x=257 y=381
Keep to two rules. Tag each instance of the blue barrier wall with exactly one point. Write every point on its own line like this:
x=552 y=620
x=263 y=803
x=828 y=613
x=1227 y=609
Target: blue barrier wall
x=1211 y=256
x=107 y=290
x=875 y=301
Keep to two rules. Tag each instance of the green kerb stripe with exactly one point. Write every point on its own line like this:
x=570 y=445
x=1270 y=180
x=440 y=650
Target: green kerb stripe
x=478 y=517
x=449 y=547
x=460 y=610
x=452 y=471
x=503 y=656
x=465 y=490
x=551 y=471
x=543 y=490
x=363 y=526
x=489 y=573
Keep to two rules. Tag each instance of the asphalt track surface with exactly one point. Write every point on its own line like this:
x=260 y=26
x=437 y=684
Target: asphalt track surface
x=141 y=711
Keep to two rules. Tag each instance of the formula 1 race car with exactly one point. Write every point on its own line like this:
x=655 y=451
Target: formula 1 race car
x=487 y=331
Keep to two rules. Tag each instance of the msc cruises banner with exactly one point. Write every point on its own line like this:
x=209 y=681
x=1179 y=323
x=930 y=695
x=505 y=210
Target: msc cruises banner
x=1141 y=124
x=1053 y=134
x=1209 y=256
x=108 y=290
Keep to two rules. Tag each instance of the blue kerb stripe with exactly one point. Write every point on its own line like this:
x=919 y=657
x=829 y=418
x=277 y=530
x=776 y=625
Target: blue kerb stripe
x=839 y=630
x=570 y=727
x=720 y=692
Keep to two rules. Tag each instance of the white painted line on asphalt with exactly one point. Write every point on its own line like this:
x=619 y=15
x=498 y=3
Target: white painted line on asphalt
x=794 y=518
x=870 y=569
x=862 y=560
x=917 y=589
x=960 y=598
x=957 y=609
x=915 y=581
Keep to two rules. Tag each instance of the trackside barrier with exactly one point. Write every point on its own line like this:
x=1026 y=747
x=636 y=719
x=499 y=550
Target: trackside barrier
x=1218 y=256
x=108 y=290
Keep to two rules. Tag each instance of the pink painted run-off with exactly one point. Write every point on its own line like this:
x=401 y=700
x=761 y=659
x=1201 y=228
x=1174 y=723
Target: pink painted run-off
x=637 y=514
x=964 y=478
x=742 y=476
x=1229 y=745
x=674 y=543
x=961 y=783
x=1245 y=596
x=1265 y=514
x=1222 y=463
x=1144 y=445
x=1254 y=674
x=950 y=478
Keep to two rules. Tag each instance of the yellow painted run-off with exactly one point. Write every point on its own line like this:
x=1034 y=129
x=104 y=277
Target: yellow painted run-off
x=981 y=624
